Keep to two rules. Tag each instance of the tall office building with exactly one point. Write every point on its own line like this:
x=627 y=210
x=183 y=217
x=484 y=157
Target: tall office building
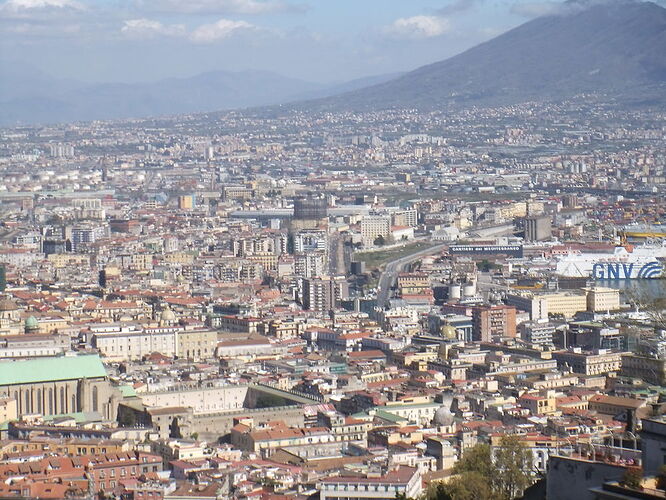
x=493 y=323
x=61 y=151
x=310 y=212
x=84 y=234
x=311 y=264
x=323 y=294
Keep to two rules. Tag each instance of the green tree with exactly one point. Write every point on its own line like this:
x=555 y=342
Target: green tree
x=476 y=459
x=379 y=241
x=633 y=478
x=513 y=462
x=506 y=475
x=485 y=266
x=465 y=486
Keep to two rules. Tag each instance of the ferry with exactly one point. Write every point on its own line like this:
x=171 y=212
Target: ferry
x=624 y=262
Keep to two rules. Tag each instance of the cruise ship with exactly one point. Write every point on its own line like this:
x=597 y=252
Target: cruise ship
x=640 y=262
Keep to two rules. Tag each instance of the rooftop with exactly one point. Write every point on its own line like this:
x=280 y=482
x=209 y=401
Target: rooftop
x=49 y=369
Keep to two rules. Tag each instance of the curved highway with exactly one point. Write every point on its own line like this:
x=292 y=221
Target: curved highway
x=395 y=267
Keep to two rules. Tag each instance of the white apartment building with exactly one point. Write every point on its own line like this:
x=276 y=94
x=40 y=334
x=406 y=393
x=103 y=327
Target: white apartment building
x=401 y=481
x=373 y=226
x=129 y=341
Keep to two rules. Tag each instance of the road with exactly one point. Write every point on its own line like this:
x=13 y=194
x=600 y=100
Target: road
x=395 y=267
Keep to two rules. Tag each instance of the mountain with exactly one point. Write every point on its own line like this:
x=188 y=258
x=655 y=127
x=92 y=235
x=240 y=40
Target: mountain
x=29 y=96
x=358 y=83
x=612 y=47
x=616 y=48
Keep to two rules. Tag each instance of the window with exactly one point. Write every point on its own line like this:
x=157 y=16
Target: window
x=94 y=399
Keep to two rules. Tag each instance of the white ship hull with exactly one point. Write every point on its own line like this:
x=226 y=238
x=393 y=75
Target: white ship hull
x=641 y=263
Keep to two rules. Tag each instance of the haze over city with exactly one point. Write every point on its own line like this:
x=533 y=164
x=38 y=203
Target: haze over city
x=312 y=40
x=332 y=250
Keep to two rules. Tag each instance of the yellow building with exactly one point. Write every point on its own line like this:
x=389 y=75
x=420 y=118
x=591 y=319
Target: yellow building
x=268 y=261
x=601 y=299
x=61 y=260
x=51 y=324
x=538 y=404
x=565 y=303
x=182 y=258
x=513 y=210
x=8 y=409
x=186 y=202
x=417 y=360
x=196 y=345
x=280 y=329
x=137 y=261
x=413 y=283
x=588 y=363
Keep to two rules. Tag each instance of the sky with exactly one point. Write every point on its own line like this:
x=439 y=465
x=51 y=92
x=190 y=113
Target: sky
x=315 y=40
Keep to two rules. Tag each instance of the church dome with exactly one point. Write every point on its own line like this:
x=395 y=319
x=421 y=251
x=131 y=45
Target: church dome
x=168 y=315
x=31 y=324
x=449 y=332
x=443 y=416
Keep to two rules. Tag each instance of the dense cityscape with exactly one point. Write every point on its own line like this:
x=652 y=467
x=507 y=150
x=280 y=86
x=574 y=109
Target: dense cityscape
x=275 y=306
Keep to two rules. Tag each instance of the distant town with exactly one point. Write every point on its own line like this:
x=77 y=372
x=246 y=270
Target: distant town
x=278 y=305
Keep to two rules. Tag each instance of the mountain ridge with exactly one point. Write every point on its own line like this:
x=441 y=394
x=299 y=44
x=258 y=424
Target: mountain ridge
x=31 y=96
x=615 y=48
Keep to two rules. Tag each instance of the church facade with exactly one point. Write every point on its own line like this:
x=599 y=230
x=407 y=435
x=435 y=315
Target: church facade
x=59 y=385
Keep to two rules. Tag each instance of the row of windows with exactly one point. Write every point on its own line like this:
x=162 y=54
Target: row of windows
x=38 y=401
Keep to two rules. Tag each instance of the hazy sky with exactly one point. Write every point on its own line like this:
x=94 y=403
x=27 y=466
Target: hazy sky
x=316 y=40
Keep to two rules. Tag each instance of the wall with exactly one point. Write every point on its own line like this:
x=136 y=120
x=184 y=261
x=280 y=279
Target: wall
x=570 y=478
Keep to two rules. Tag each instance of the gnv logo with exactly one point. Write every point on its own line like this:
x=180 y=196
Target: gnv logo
x=611 y=271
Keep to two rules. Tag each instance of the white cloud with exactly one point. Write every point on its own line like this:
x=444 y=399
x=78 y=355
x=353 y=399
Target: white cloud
x=17 y=5
x=224 y=28
x=36 y=9
x=219 y=6
x=149 y=28
x=418 y=27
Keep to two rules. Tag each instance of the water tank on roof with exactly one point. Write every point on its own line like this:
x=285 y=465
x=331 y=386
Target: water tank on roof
x=454 y=291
